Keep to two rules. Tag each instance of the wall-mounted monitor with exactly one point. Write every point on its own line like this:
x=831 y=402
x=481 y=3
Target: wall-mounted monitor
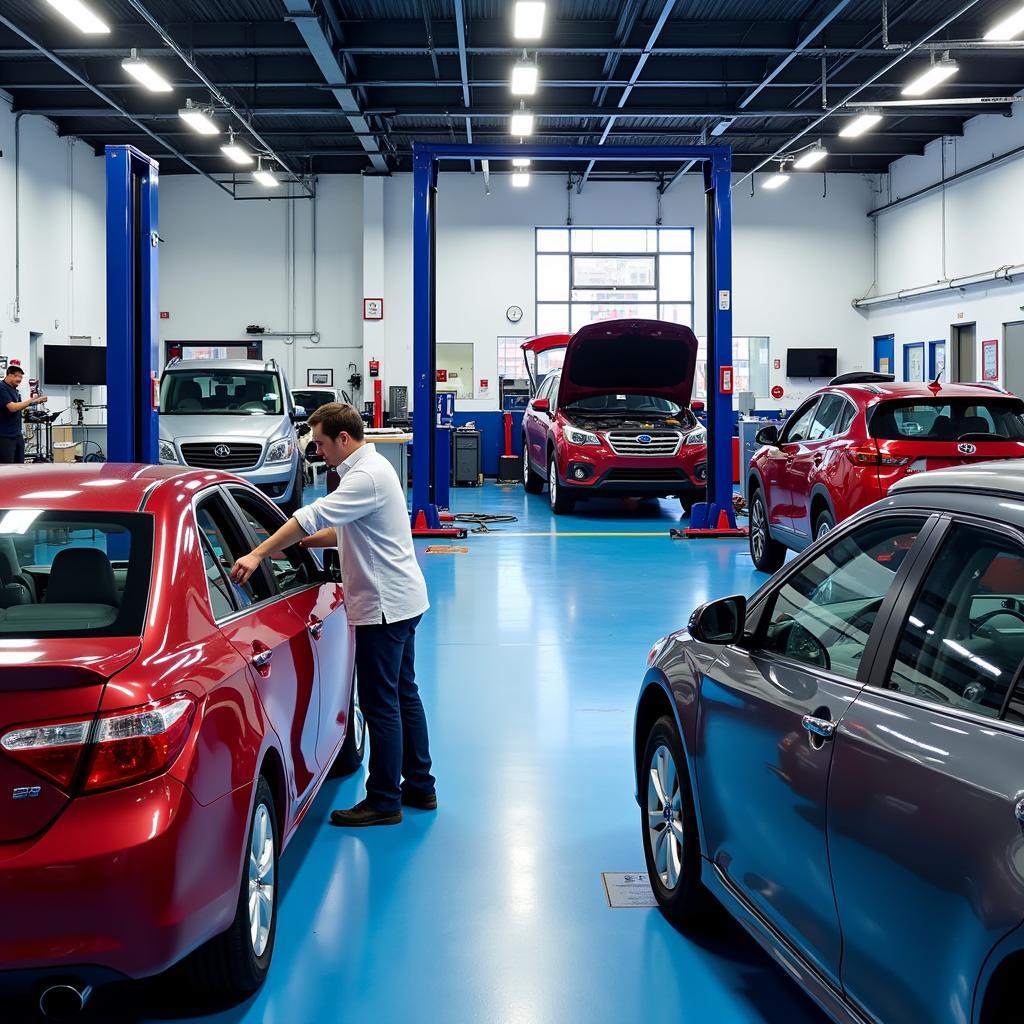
x=811 y=362
x=80 y=365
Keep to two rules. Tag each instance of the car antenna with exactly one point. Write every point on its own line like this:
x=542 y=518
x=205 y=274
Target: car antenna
x=936 y=385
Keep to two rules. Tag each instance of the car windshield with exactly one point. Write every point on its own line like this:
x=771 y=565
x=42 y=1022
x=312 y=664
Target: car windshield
x=312 y=400
x=995 y=419
x=626 y=405
x=220 y=392
x=70 y=574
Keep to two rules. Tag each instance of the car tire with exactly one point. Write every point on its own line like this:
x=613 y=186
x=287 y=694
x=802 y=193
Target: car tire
x=560 y=502
x=350 y=757
x=768 y=554
x=235 y=963
x=668 y=824
x=294 y=503
x=687 y=501
x=533 y=483
x=825 y=523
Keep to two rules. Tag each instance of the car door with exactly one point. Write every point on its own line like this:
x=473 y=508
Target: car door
x=767 y=710
x=778 y=488
x=928 y=772
x=537 y=425
x=805 y=459
x=318 y=602
x=275 y=642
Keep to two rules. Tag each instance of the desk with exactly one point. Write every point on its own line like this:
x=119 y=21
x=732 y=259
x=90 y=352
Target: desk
x=394 y=448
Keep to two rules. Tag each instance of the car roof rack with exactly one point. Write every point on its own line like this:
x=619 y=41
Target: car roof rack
x=270 y=364
x=172 y=361
x=862 y=377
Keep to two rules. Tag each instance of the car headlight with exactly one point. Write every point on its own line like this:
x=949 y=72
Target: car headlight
x=167 y=452
x=281 y=449
x=576 y=436
x=698 y=436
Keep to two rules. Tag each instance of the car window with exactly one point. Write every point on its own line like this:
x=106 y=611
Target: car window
x=939 y=419
x=217 y=582
x=799 y=425
x=823 y=614
x=963 y=639
x=220 y=392
x=227 y=544
x=845 y=418
x=545 y=388
x=556 y=379
x=290 y=569
x=826 y=418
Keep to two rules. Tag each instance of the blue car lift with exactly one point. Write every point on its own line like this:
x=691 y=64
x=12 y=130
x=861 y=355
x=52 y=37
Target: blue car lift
x=133 y=358
x=713 y=517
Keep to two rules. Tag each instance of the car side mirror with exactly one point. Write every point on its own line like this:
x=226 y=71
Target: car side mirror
x=299 y=413
x=332 y=565
x=721 y=621
x=768 y=435
x=540 y=405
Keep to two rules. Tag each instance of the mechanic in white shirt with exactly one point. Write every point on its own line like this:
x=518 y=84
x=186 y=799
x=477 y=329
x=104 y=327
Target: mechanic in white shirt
x=385 y=595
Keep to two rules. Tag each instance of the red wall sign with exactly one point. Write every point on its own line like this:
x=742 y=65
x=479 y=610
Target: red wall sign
x=484 y=384
x=778 y=364
x=164 y=314
x=442 y=376
x=374 y=367
x=725 y=380
x=777 y=392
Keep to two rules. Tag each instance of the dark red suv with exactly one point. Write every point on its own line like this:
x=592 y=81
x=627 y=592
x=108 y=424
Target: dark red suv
x=614 y=419
x=847 y=445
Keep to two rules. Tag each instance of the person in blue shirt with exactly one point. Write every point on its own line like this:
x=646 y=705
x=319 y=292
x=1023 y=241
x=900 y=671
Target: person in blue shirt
x=12 y=434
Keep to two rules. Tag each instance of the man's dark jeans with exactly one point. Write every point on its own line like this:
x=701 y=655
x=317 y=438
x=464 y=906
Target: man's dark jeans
x=12 y=449
x=385 y=663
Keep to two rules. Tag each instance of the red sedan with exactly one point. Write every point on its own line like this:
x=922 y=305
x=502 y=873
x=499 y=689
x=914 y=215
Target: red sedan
x=850 y=442
x=612 y=416
x=162 y=729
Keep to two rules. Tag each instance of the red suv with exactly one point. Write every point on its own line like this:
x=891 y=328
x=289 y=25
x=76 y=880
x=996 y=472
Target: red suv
x=163 y=730
x=847 y=445
x=615 y=418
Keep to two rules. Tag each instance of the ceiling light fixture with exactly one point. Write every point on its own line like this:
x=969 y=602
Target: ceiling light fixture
x=265 y=178
x=521 y=179
x=524 y=78
x=722 y=127
x=860 y=124
x=80 y=16
x=1008 y=27
x=145 y=74
x=927 y=80
x=522 y=121
x=810 y=157
x=198 y=119
x=528 y=20
x=521 y=161
x=235 y=153
x=776 y=180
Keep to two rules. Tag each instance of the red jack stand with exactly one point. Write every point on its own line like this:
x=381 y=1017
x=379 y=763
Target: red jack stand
x=421 y=529
x=723 y=528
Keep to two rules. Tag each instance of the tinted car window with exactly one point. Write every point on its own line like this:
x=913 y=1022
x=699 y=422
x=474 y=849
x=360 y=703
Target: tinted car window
x=290 y=569
x=227 y=545
x=228 y=392
x=312 y=400
x=963 y=640
x=941 y=420
x=797 y=428
x=826 y=418
x=217 y=582
x=845 y=418
x=823 y=614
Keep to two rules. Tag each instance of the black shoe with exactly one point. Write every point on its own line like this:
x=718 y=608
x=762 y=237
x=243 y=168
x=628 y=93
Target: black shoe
x=365 y=814
x=418 y=799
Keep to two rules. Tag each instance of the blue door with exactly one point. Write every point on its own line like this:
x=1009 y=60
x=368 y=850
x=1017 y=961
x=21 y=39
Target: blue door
x=936 y=360
x=885 y=354
x=913 y=361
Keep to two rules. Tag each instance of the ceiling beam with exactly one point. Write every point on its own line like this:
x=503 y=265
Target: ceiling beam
x=460 y=28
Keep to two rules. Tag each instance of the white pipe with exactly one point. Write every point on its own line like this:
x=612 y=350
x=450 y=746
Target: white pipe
x=1005 y=273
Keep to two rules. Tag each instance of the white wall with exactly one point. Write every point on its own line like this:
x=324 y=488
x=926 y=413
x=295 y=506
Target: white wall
x=971 y=226
x=62 y=218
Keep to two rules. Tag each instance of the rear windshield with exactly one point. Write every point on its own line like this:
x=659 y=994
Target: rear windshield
x=312 y=400
x=635 y=405
x=967 y=419
x=238 y=392
x=70 y=574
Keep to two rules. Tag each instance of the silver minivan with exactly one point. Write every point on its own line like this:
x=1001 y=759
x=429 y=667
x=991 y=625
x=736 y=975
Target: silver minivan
x=236 y=415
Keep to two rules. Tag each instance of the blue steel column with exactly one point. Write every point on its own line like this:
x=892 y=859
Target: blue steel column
x=132 y=313
x=424 y=416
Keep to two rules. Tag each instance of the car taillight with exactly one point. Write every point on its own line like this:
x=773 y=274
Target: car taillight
x=122 y=748
x=868 y=455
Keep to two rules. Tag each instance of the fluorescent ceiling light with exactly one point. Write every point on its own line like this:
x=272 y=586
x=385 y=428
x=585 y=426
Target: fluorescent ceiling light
x=524 y=78
x=80 y=16
x=520 y=179
x=521 y=161
x=776 y=180
x=722 y=127
x=146 y=74
x=927 y=80
x=521 y=123
x=860 y=124
x=810 y=157
x=237 y=154
x=528 y=20
x=1008 y=27
x=198 y=120
x=265 y=178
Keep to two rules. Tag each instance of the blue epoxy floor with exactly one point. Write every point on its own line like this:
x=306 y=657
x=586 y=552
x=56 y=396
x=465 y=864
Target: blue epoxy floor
x=491 y=911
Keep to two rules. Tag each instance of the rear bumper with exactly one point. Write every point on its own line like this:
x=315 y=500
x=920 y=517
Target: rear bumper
x=124 y=883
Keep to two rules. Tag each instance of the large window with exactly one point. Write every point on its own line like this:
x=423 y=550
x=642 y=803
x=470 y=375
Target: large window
x=590 y=274
x=749 y=367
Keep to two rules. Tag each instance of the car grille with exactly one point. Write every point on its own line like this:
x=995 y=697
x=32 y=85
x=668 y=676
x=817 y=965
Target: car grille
x=643 y=476
x=662 y=442
x=228 y=455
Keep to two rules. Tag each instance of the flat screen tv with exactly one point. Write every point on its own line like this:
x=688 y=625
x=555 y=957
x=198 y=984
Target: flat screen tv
x=74 y=364
x=810 y=362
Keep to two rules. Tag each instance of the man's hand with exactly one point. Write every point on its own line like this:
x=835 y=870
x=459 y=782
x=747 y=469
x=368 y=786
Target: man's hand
x=245 y=567
x=39 y=399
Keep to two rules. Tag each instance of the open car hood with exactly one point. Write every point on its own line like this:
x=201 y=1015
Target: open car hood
x=630 y=357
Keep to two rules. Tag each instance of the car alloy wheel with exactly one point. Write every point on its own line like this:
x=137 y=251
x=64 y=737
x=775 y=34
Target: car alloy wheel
x=261 y=880
x=823 y=528
x=526 y=465
x=665 y=817
x=358 y=720
x=758 y=529
x=553 y=483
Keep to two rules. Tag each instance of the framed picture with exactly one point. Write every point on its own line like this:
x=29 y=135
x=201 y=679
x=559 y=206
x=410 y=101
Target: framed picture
x=373 y=309
x=319 y=378
x=990 y=360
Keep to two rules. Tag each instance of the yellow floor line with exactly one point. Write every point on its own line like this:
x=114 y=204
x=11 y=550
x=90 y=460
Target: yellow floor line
x=581 y=533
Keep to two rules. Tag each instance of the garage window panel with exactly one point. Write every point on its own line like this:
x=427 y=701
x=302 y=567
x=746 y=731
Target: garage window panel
x=552 y=278
x=552 y=240
x=552 y=318
x=592 y=312
x=615 y=272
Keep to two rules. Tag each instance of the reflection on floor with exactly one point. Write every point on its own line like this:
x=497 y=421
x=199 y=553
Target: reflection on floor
x=492 y=909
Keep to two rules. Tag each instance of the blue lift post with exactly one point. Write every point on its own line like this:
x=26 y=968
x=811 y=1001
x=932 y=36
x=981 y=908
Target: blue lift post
x=717 y=161
x=133 y=359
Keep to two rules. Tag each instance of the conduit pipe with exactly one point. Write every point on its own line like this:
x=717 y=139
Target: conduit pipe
x=1005 y=273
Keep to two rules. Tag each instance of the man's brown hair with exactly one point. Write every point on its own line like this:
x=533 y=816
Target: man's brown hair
x=334 y=417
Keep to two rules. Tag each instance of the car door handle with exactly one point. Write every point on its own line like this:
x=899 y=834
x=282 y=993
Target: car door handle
x=261 y=656
x=315 y=627
x=818 y=459
x=821 y=727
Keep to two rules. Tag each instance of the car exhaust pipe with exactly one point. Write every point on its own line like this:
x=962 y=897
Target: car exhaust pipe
x=64 y=1001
